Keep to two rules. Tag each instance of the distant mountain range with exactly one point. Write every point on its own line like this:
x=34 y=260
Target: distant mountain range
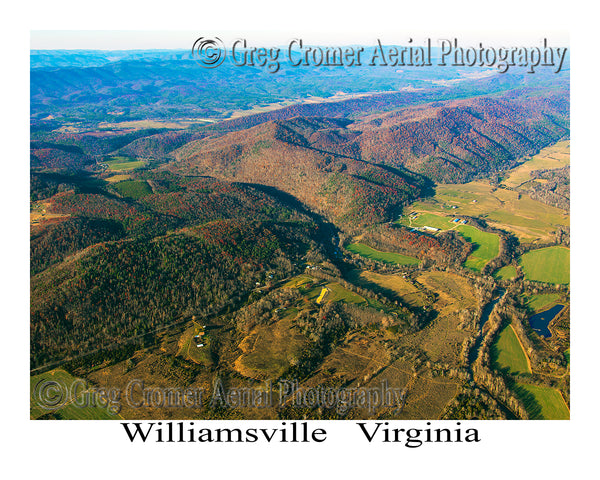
x=97 y=86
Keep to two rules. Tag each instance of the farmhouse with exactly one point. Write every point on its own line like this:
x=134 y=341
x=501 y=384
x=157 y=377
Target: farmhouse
x=431 y=229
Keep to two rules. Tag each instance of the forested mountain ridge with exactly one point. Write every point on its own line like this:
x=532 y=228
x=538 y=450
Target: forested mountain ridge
x=456 y=141
x=341 y=167
x=348 y=191
x=115 y=268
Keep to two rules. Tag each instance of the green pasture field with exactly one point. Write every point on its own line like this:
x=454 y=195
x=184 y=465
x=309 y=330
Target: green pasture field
x=542 y=403
x=388 y=257
x=119 y=164
x=542 y=301
x=549 y=265
x=487 y=246
x=338 y=293
x=506 y=273
x=507 y=353
x=133 y=188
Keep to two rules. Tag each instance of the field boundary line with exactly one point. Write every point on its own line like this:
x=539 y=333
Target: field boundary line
x=522 y=348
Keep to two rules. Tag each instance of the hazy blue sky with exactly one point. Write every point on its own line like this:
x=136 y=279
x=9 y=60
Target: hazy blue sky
x=144 y=39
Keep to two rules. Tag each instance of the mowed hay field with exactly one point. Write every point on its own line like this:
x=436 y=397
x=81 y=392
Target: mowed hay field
x=507 y=352
x=542 y=403
x=387 y=257
x=548 y=265
x=487 y=246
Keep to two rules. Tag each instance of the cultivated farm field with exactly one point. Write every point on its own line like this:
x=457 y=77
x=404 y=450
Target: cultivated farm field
x=542 y=403
x=548 y=265
x=119 y=164
x=507 y=352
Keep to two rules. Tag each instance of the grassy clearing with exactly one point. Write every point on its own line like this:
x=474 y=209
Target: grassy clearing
x=549 y=265
x=402 y=288
x=74 y=400
x=119 y=177
x=428 y=220
x=506 y=273
x=507 y=353
x=312 y=289
x=270 y=349
x=337 y=293
x=454 y=292
x=299 y=281
x=188 y=346
x=555 y=156
x=133 y=188
x=487 y=246
x=387 y=257
x=541 y=302
x=119 y=164
x=542 y=403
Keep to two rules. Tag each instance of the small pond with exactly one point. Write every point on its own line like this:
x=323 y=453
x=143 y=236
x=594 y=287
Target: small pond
x=540 y=321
